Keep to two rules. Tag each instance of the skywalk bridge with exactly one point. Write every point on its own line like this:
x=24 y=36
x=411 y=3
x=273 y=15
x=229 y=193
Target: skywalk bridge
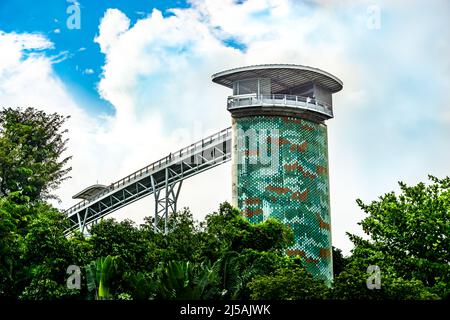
x=162 y=179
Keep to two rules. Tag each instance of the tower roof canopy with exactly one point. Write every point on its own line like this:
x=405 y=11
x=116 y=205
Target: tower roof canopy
x=283 y=76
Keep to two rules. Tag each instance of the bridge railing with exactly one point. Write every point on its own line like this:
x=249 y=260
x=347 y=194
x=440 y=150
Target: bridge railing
x=189 y=150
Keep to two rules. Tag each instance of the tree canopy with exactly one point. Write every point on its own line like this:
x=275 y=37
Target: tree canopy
x=32 y=144
x=409 y=241
x=223 y=257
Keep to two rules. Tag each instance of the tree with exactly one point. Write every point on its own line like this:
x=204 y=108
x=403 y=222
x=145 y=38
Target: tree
x=47 y=254
x=31 y=148
x=237 y=269
x=45 y=239
x=185 y=239
x=287 y=283
x=409 y=241
x=351 y=284
x=235 y=233
x=44 y=286
x=101 y=275
x=338 y=261
x=186 y=281
x=140 y=285
x=31 y=234
x=34 y=253
x=11 y=248
x=124 y=239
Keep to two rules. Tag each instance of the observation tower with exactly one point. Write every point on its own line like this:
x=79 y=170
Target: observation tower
x=280 y=152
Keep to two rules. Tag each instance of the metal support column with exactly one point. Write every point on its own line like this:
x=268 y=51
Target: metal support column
x=166 y=202
x=82 y=223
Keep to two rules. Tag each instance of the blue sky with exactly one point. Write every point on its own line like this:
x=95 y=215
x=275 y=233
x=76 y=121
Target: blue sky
x=76 y=45
x=136 y=80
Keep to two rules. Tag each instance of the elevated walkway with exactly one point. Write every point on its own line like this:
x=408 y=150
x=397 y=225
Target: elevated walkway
x=162 y=179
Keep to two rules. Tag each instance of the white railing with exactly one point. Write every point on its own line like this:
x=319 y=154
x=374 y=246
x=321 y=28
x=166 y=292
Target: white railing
x=283 y=100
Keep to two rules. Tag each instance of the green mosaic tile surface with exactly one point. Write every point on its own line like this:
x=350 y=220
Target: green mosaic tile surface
x=295 y=191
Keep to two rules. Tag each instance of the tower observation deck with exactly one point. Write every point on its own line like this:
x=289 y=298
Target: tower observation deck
x=280 y=153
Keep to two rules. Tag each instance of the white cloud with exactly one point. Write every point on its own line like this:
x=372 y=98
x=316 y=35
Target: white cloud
x=60 y=57
x=13 y=44
x=113 y=24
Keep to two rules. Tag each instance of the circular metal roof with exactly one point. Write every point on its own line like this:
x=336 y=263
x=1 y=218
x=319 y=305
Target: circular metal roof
x=283 y=76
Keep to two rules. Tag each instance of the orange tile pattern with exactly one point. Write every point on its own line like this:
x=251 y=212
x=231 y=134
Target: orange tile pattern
x=296 y=191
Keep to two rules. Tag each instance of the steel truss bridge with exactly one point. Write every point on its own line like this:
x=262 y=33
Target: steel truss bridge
x=162 y=179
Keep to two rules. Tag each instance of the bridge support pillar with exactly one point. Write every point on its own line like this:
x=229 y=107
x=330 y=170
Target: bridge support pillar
x=82 y=226
x=166 y=201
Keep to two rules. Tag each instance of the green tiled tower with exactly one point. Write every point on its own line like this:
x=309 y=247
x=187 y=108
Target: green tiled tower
x=280 y=153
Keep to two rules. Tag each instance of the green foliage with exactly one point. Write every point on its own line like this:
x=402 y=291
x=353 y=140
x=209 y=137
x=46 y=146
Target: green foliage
x=31 y=145
x=124 y=239
x=415 y=226
x=235 y=233
x=80 y=249
x=34 y=256
x=237 y=269
x=351 y=284
x=410 y=236
x=184 y=240
x=293 y=283
x=11 y=248
x=46 y=285
x=184 y=280
x=140 y=285
x=32 y=247
x=339 y=261
x=45 y=238
x=47 y=254
x=100 y=275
